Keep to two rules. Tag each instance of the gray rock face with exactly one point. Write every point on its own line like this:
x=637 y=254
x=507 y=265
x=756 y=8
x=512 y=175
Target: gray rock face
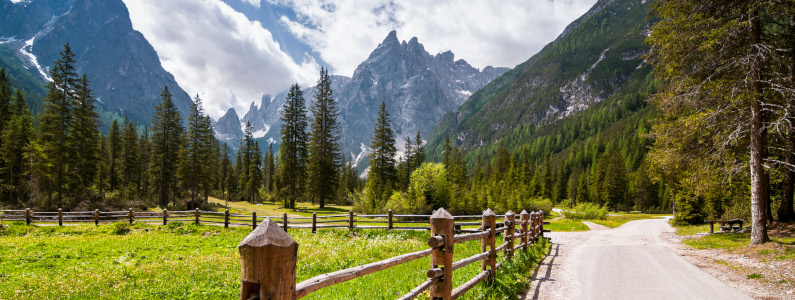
x=227 y=128
x=124 y=69
x=417 y=87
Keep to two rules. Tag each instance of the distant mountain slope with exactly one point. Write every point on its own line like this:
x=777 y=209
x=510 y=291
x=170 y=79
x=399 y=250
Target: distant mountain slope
x=595 y=58
x=418 y=89
x=124 y=69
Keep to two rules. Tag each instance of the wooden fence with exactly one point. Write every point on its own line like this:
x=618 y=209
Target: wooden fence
x=268 y=257
x=349 y=220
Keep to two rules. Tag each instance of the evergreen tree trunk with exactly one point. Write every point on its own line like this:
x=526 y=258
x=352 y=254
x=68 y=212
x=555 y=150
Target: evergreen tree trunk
x=758 y=205
x=785 y=210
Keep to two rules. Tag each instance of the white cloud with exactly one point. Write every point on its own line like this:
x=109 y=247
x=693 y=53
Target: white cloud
x=216 y=52
x=493 y=32
x=255 y=3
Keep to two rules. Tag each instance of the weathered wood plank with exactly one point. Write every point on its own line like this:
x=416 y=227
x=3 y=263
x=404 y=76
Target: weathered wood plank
x=313 y=284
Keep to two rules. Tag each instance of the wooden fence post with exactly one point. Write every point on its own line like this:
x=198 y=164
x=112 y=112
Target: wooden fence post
x=350 y=219
x=165 y=216
x=510 y=222
x=96 y=217
x=60 y=217
x=253 y=220
x=533 y=223
x=267 y=263
x=226 y=218
x=314 y=222
x=389 y=214
x=524 y=218
x=442 y=224
x=28 y=216
x=541 y=222
x=489 y=223
x=131 y=216
x=284 y=220
x=198 y=214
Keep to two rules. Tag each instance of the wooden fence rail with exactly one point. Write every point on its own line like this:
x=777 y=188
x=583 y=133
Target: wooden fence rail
x=268 y=255
x=351 y=220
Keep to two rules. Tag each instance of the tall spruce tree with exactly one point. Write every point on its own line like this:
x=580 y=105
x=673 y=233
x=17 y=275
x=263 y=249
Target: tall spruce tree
x=167 y=141
x=85 y=135
x=383 y=174
x=195 y=167
x=293 y=151
x=325 y=152
x=144 y=153
x=17 y=136
x=55 y=126
x=224 y=170
x=114 y=157
x=129 y=160
x=254 y=173
x=269 y=170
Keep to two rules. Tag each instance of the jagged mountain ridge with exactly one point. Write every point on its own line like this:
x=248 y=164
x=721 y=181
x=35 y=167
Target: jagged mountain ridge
x=596 y=57
x=418 y=89
x=124 y=69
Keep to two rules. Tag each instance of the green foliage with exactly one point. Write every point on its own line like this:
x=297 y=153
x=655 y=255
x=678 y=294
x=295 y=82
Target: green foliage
x=325 y=151
x=429 y=183
x=689 y=209
x=293 y=150
x=586 y=211
x=167 y=142
x=382 y=176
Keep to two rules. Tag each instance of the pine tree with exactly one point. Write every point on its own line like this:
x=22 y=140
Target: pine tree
x=86 y=135
x=129 y=160
x=225 y=170
x=269 y=170
x=293 y=151
x=383 y=174
x=5 y=100
x=254 y=174
x=419 y=152
x=17 y=136
x=144 y=153
x=167 y=141
x=325 y=152
x=195 y=164
x=614 y=184
x=114 y=156
x=55 y=126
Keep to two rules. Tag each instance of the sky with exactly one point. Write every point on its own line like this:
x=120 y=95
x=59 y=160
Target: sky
x=232 y=52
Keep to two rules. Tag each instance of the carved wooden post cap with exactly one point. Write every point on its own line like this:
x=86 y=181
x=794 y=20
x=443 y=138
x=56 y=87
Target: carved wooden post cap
x=267 y=262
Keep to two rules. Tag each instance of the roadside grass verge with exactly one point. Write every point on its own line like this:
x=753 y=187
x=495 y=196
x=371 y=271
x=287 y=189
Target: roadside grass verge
x=186 y=261
x=780 y=247
x=563 y=224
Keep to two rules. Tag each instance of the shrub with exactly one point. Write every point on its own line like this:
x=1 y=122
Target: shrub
x=119 y=228
x=586 y=211
x=537 y=203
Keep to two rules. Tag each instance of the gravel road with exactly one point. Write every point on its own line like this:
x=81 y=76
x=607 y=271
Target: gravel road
x=633 y=261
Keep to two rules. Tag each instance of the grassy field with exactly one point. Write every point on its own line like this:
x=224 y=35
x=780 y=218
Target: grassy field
x=181 y=261
x=564 y=224
x=781 y=247
x=275 y=208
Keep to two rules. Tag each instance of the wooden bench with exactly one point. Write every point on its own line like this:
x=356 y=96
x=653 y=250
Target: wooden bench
x=302 y=209
x=726 y=225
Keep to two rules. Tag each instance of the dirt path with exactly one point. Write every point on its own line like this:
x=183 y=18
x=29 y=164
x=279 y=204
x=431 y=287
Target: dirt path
x=633 y=261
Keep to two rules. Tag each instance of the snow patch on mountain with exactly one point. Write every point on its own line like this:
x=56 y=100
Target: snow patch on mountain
x=27 y=50
x=261 y=133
